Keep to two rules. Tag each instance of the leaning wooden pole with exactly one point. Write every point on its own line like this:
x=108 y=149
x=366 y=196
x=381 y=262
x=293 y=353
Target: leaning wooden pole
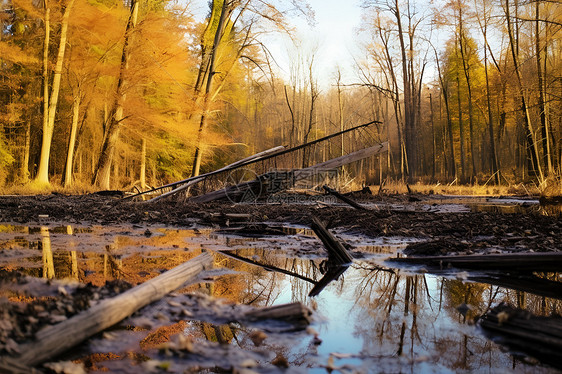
x=336 y=250
x=56 y=339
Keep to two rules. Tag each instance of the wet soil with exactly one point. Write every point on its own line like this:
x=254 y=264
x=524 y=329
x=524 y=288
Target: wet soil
x=442 y=231
x=432 y=224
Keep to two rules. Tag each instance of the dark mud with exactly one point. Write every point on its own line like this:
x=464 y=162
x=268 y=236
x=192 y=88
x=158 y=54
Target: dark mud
x=203 y=328
x=444 y=231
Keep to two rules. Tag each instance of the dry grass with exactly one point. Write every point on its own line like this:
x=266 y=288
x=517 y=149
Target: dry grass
x=35 y=188
x=398 y=187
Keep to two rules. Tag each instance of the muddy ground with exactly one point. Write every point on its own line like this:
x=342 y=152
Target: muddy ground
x=449 y=231
x=439 y=225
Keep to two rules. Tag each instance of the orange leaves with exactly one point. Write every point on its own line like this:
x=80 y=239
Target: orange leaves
x=15 y=54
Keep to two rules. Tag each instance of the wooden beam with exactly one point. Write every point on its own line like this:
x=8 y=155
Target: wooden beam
x=337 y=253
x=195 y=180
x=54 y=340
x=298 y=174
x=528 y=262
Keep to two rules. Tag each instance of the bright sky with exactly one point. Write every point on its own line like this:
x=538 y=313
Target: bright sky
x=334 y=35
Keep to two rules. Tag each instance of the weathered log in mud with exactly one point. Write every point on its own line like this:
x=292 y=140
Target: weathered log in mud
x=539 y=337
x=295 y=313
x=56 y=339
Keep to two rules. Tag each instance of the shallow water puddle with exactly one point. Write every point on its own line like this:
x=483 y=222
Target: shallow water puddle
x=369 y=319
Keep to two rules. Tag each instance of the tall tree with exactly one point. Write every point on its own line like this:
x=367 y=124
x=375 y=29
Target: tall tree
x=103 y=169
x=532 y=147
x=52 y=100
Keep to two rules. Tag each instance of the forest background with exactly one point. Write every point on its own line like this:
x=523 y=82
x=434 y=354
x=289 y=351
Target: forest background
x=112 y=94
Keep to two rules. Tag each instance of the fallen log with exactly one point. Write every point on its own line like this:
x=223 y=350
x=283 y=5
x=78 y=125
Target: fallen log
x=343 y=198
x=337 y=254
x=540 y=337
x=54 y=340
x=295 y=313
x=254 y=186
x=525 y=262
x=199 y=178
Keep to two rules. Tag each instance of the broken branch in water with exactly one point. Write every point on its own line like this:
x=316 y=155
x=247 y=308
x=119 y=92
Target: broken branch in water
x=343 y=198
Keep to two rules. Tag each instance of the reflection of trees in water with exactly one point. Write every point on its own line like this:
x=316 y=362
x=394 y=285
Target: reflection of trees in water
x=258 y=286
x=48 y=262
x=401 y=314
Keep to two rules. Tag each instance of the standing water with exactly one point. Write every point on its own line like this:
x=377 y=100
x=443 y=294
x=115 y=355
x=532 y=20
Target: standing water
x=372 y=318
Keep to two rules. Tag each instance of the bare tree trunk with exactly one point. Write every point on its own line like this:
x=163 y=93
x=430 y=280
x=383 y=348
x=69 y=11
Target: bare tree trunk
x=143 y=164
x=203 y=122
x=26 y=150
x=445 y=94
x=461 y=130
x=340 y=108
x=547 y=158
x=433 y=145
x=67 y=176
x=43 y=171
x=293 y=124
x=531 y=143
x=493 y=154
x=466 y=70
x=46 y=70
x=102 y=174
x=407 y=88
x=313 y=98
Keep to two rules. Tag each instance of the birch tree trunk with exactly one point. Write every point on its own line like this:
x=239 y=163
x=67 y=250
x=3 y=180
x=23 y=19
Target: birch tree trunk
x=67 y=176
x=49 y=120
x=143 y=164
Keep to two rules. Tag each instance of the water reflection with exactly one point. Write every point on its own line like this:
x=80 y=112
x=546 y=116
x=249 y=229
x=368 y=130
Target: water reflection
x=369 y=317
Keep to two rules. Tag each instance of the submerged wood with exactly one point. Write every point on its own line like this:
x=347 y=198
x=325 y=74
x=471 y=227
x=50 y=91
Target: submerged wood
x=525 y=262
x=337 y=253
x=54 y=340
x=253 y=187
x=343 y=198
